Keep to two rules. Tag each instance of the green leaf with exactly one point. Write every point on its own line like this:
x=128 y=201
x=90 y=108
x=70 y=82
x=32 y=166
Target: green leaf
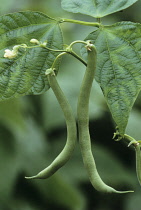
x=25 y=74
x=118 y=67
x=96 y=8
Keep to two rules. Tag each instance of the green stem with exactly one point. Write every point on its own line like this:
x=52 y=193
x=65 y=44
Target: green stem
x=69 y=51
x=57 y=58
x=77 y=42
x=63 y=20
x=54 y=50
x=77 y=57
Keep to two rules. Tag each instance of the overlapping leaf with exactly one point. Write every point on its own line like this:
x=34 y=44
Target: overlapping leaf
x=119 y=67
x=96 y=8
x=25 y=74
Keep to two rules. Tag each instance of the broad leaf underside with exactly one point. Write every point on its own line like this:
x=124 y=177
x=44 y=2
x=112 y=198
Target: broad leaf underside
x=96 y=8
x=119 y=67
x=25 y=74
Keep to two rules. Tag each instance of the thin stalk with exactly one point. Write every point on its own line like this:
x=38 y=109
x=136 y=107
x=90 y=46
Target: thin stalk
x=69 y=51
x=57 y=58
x=77 y=42
x=63 y=20
x=77 y=57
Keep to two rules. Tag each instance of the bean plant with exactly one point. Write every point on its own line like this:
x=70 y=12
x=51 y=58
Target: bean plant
x=31 y=49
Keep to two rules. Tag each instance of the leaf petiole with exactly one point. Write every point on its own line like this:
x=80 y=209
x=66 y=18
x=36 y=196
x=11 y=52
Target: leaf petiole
x=63 y=20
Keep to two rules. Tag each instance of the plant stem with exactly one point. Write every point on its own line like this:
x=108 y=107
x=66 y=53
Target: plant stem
x=78 y=57
x=71 y=52
x=79 y=22
x=77 y=42
x=56 y=59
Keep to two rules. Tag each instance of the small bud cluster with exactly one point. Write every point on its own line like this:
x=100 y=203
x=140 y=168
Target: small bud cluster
x=14 y=52
x=34 y=41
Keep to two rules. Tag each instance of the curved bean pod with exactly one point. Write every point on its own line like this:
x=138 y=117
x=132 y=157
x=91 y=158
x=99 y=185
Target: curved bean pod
x=66 y=153
x=83 y=125
x=138 y=161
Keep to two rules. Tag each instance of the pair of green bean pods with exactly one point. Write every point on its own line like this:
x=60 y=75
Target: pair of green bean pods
x=83 y=126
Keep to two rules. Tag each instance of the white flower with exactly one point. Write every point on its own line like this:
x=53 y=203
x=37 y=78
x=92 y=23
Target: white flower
x=10 y=53
x=34 y=41
x=14 y=52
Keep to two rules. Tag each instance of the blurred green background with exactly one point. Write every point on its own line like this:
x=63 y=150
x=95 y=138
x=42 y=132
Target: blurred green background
x=33 y=132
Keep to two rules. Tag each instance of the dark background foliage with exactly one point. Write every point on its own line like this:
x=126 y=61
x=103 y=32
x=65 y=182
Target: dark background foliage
x=33 y=132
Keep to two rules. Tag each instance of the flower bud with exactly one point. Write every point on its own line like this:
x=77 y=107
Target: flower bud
x=34 y=41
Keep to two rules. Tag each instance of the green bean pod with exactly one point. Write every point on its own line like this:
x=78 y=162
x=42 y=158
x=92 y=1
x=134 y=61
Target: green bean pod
x=66 y=153
x=83 y=125
x=138 y=161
